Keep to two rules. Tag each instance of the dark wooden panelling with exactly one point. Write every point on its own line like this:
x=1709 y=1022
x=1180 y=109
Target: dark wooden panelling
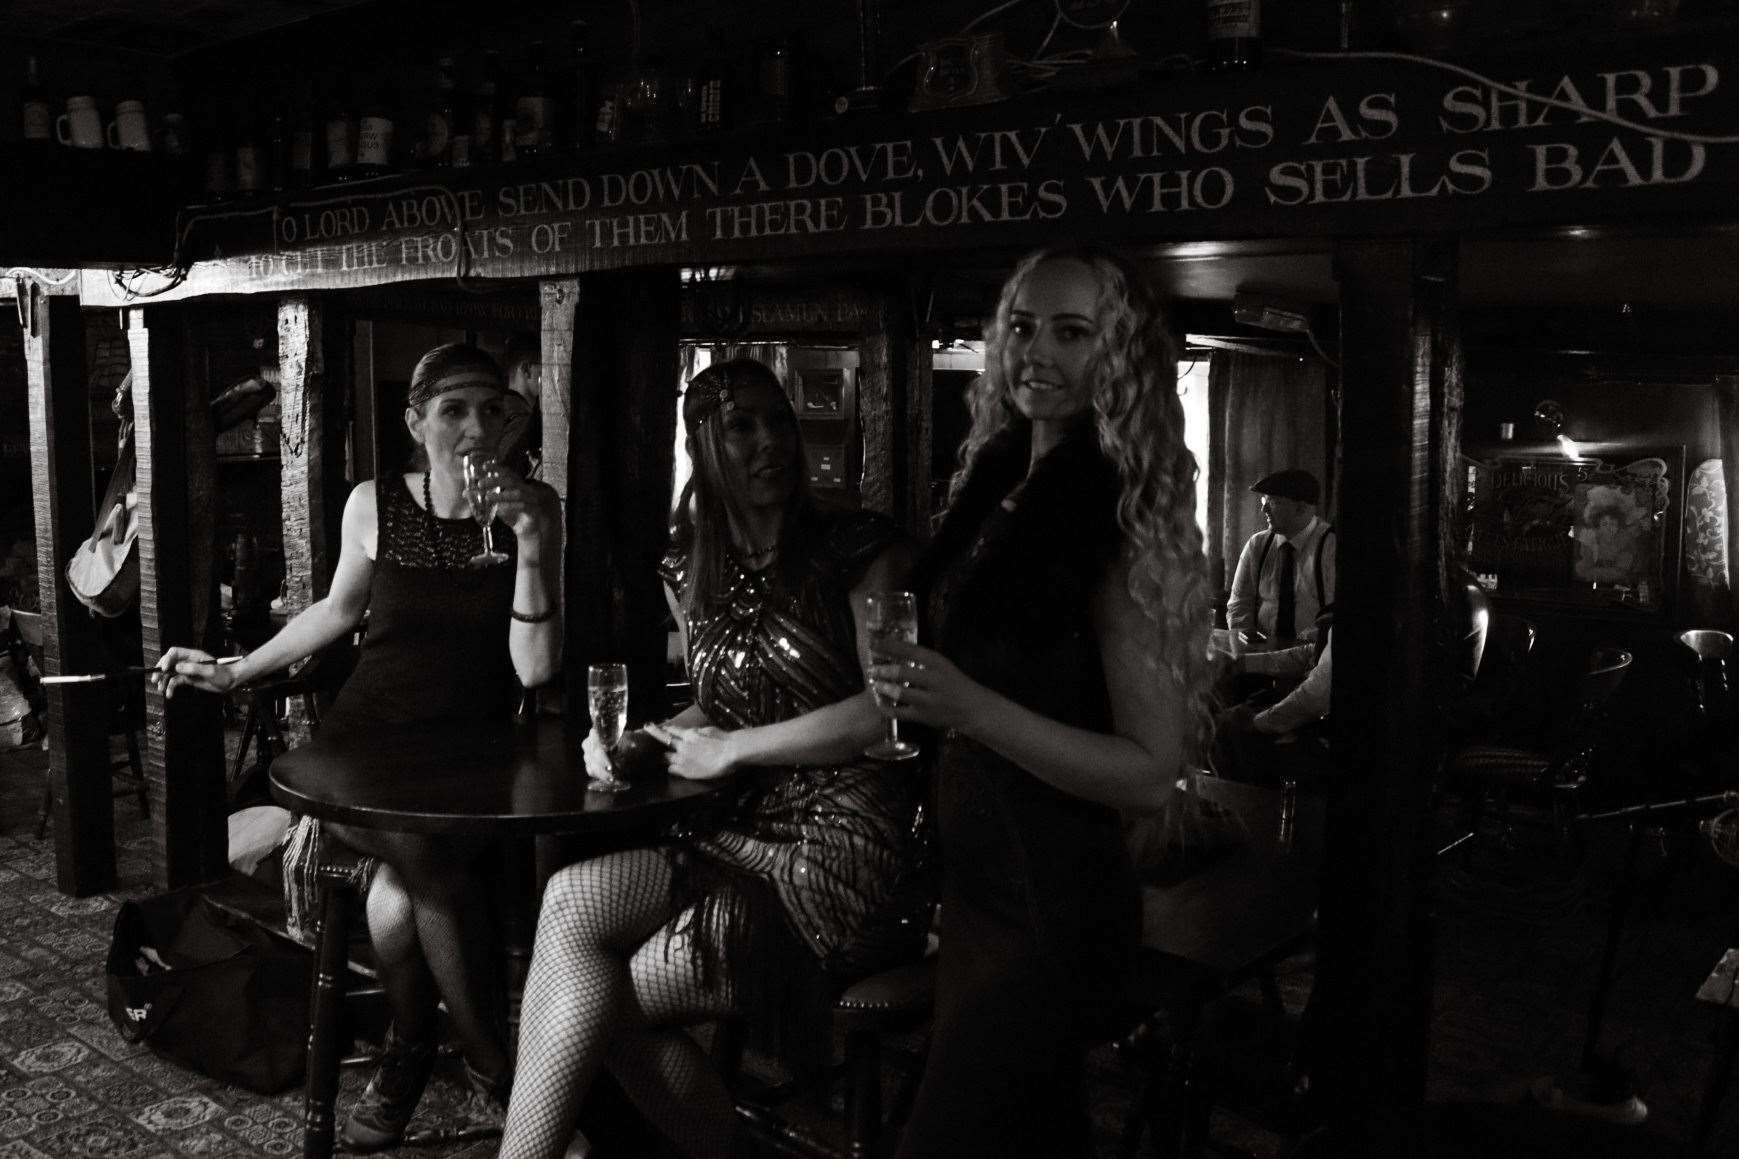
x=1401 y=401
x=620 y=473
x=184 y=762
x=60 y=459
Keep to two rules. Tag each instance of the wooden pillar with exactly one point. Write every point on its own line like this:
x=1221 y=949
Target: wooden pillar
x=558 y=298
x=176 y=466
x=919 y=435
x=304 y=468
x=364 y=419
x=60 y=473
x=879 y=419
x=619 y=476
x=1400 y=413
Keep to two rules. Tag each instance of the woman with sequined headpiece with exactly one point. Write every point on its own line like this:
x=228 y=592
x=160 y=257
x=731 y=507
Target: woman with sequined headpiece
x=813 y=875
x=446 y=640
x=1068 y=619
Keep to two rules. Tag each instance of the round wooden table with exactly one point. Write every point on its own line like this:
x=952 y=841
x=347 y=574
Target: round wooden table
x=522 y=780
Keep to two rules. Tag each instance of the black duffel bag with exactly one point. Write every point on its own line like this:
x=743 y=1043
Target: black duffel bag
x=210 y=989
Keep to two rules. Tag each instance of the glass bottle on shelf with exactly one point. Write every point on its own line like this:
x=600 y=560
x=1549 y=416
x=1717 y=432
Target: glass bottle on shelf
x=340 y=135
x=533 y=108
x=278 y=149
x=486 y=110
x=250 y=157
x=302 y=152
x=443 y=114
x=583 y=87
x=607 y=124
x=375 y=134
x=1234 y=33
x=38 y=118
x=713 y=89
x=219 y=158
x=459 y=143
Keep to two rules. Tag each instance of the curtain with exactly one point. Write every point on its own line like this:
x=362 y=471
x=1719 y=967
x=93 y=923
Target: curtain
x=1265 y=413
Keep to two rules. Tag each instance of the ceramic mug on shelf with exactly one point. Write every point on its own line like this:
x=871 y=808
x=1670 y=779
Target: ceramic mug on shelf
x=128 y=130
x=80 y=126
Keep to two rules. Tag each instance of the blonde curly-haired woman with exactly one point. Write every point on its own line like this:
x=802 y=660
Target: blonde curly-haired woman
x=1069 y=615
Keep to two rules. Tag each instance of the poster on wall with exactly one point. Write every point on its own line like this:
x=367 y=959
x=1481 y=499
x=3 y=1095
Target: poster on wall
x=1600 y=533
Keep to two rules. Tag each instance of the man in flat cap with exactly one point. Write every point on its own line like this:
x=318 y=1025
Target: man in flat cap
x=1285 y=575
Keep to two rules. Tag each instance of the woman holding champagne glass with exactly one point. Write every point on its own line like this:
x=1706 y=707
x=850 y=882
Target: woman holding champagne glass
x=810 y=879
x=450 y=626
x=1069 y=617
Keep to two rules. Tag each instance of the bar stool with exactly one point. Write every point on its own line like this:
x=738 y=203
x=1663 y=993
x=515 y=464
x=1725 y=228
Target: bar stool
x=1711 y=699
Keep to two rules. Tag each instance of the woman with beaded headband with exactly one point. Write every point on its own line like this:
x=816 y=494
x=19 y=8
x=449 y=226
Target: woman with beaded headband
x=446 y=640
x=810 y=878
x=1067 y=615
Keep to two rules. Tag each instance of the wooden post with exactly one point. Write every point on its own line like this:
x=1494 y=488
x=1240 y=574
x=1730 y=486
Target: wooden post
x=879 y=421
x=620 y=472
x=364 y=419
x=303 y=467
x=919 y=435
x=176 y=466
x=558 y=299
x=60 y=472
x=1400 y=411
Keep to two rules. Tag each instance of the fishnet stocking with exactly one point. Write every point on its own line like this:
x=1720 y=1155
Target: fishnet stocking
x=611 y=980
x=455 y=937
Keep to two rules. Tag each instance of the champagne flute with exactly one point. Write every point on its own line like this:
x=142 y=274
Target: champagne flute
x=481 y=489
x=889 y=615
x=607 y=696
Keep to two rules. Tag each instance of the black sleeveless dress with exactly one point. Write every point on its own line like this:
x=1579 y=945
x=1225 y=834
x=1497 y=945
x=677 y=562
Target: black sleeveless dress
x=1039 y=906
x=436 y=650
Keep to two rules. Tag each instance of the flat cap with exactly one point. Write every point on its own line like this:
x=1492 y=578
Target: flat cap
x=1292 y=483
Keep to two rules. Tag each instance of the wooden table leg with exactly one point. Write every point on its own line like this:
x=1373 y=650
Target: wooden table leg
x=325 y=1006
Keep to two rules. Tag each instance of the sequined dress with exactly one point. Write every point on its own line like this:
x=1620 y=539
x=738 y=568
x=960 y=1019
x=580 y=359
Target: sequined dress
x=836 y=848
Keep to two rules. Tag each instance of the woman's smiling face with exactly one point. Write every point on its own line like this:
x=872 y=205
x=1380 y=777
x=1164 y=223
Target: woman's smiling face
x=759 y=438
x=1053 y=329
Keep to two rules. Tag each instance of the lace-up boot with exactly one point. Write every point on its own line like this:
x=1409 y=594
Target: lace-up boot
x=380 y=1116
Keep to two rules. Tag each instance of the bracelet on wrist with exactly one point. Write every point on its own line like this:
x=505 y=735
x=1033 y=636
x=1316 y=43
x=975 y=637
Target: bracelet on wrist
x=533 y=617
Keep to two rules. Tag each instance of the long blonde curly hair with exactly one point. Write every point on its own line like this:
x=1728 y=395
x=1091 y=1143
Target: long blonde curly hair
x=1138 y=420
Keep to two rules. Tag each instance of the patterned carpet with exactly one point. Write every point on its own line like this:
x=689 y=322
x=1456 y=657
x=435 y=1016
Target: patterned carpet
x=1517 y=953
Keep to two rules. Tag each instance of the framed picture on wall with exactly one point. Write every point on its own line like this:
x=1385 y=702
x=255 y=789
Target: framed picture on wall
x=1595 y=532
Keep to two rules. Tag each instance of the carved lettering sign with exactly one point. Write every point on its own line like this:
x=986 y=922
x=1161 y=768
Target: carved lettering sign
x=1355 y=148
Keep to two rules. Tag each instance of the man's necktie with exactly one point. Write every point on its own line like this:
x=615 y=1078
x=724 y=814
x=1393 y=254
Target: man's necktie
x=1285 y=623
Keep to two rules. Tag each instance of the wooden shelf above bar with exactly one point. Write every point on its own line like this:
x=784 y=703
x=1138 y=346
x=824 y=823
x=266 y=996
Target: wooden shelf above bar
x=1367 y=145
x=86 y=207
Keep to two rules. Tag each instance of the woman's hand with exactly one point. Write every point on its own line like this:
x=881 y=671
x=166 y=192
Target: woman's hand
x=519 y=504
x=192 y=667
x=919 y=684
x=697 y=754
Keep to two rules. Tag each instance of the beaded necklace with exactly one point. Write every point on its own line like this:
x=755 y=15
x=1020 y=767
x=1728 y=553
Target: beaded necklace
x=445 y=545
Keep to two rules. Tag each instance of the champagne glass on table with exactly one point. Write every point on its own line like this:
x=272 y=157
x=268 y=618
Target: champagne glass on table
x=607 y=696
x=890 y=615
x=482 y=488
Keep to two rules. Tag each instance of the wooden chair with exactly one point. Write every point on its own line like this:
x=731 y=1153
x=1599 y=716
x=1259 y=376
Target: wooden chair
x=865 y=1015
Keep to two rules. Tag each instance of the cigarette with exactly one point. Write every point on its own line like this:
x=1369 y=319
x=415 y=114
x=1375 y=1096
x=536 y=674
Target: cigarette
x=129 y=670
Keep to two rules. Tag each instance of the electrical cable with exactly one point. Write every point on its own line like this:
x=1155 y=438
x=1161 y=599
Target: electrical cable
x=1512 y=90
